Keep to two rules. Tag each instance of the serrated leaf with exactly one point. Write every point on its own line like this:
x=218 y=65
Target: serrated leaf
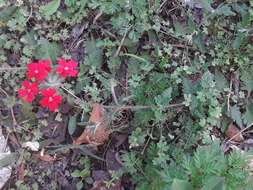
x=206 y=79
x=198 y=40
x=47 y=50
x=207 y=4
x=164 y=98
x=179 y=29
x=94 y=54
x=247 y=79
x=248 y=115
x=179 y=184
x=220 y=81
x=238 y=40
x=187 y=86
x=50 y=8
x=214 y=183
x=225 y=10
x=72 y=125
x=7 y=12
x=235 y=114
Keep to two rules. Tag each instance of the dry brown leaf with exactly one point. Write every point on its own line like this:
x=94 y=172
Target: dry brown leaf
x=45 y=157
x=234 y=133
x=21 y=171
x=95 y=135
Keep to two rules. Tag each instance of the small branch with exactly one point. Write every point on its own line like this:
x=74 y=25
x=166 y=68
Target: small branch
x=113 y=85
x=97 y=16
x=68 y=91
x=121 y=43
x=229 y=94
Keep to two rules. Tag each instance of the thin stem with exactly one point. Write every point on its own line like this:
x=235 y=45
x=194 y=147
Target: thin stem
x=68 y=91
x=135 y=56
x=140 y=107
x=121 y=42
x=122 y=107
x=12 y=69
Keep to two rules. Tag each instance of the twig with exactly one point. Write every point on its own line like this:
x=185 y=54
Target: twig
x=112 y=84
x=121 y=42
x=97 y=16
x=229 y=94
x=30 y=15
x=68 y=91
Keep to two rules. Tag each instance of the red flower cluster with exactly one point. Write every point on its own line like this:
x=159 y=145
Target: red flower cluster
x=37 y=72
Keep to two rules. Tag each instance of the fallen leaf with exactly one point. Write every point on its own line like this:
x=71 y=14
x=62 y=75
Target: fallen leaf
x=97 y=114
x=32 y=145
x=234 y=133
x=21 y=171
x=45 y=157
x=98 y=133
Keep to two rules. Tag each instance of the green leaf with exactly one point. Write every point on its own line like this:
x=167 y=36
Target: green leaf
x=220 y=81
x=50 y=8
x=247 y=79
x=198 y=40
x=94 y=54
x=235 y=114
x=83 y=173
x=238 y=40
x=179 y=29
x=207 y=4
x=225 y=10
x=164 y=98
x=47 y=50
x=72 y=125
x=248 y=115
x=214 y=183
x=6 y=13
x=206 y=79
x=179 y=184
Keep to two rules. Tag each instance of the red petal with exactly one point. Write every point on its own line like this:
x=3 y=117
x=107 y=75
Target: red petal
x=22 y=92
x=26 y=84
x=73 y=73
x=73 y=63
x=29 y=98
x=44 y=102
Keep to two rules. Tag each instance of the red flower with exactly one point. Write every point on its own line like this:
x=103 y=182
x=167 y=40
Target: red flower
x=29 y=91
x=50 y=99
x=67 y=67
x=38 y=70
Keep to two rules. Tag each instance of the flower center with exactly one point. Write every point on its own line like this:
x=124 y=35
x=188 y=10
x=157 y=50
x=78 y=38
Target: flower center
x=50 y=99
x=66 y=68
x=36 y=71
x=29 y=90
